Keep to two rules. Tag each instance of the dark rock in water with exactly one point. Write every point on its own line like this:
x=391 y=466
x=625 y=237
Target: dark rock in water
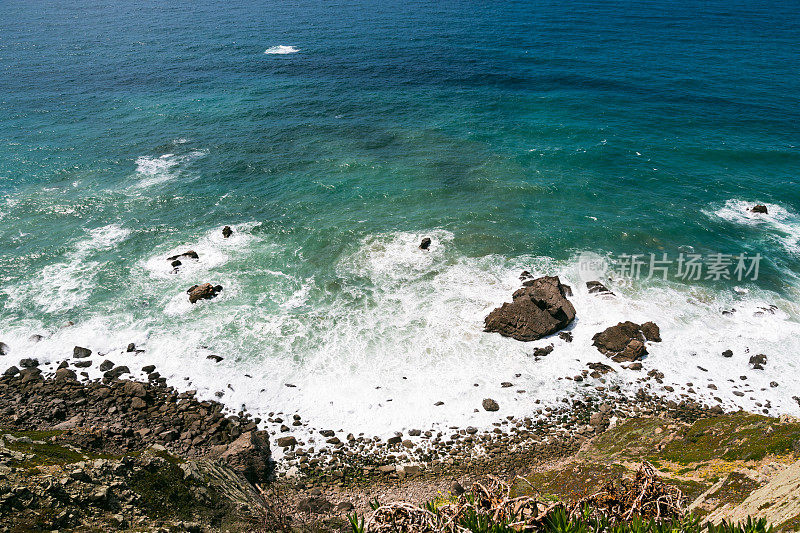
x=543 y=352
x=83 y=364
x=148 y=368
x=759 y=209
x=425 y=244
x=634 y=366
x=176 y=263
x=206 y=291
x=116 y=372
x=189 y=254
x=214 y=358
x=565 y=336
x=599 y=369
x=595 y=287
x=227 y=231
x=35 y=338
x=727 y=353
x=490 y=405
x=11 y=371
x=106 y=365
x=538 y=309
x=525 y=275
x=80 y=353
x=758 y=361
x=285 y=442
x=4 y=349
x=651 y=332
x=625 y=341
x=28 y=362
x=249 y=455
x=131 y=347
x=315 y=504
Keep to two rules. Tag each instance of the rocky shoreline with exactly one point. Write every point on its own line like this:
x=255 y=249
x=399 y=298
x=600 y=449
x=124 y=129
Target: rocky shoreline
x=115 y=431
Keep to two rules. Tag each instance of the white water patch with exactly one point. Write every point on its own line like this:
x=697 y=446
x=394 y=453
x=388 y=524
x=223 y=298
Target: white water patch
x=213 y=251
x=155 y=170
x=783 y=223
x=67 y=284
x=406 y=333
x=399 y=329
x=281 y=50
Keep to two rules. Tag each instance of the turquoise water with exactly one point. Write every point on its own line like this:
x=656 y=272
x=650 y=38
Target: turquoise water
x=518 y=136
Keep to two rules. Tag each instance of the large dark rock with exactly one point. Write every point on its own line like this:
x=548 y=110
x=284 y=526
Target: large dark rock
x=189 y=254
x=227 y=231
x=759 y=209
x=758 y=361
x=595 y=287
x=538 y=309
x=249 y=455
x=625 y=341
x=425 y=244
x=206 y=291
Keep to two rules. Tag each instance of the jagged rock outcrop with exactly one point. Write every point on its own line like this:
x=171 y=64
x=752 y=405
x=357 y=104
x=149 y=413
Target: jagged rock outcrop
x=625 y=341
x=538 y=309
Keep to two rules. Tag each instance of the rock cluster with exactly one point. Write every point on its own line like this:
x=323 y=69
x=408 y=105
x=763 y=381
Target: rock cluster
x=538 y=309
x=130 y=415
x=625 y=341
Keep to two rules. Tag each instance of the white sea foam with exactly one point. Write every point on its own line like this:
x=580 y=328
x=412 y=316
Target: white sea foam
x=67 y=284
x=155 y=170
x=401 y=329
x=281 y=50
x=783 y=224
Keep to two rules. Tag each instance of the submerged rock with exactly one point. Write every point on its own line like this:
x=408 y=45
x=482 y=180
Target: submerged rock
x=206 y=291
x=538 y=309
x=759 y=209
x=625 y=341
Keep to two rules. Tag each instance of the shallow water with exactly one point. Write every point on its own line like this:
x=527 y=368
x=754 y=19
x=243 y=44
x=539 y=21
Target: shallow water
x=333 y=138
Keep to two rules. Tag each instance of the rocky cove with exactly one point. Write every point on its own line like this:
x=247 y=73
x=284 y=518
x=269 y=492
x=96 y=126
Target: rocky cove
x=117 y=453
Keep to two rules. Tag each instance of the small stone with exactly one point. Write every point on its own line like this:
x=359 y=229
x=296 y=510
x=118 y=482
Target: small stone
x=727 y=353
x=456 y=489
x=285 y=442
x=490 y=405
x=227 y=232
x=425 y=244
x=131 y=347
x=79 y=352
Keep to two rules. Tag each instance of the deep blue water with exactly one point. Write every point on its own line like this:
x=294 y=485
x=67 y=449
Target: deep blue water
x=517 y=134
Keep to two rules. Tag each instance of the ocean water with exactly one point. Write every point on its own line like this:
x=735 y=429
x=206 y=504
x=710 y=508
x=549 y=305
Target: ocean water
x=526 y=135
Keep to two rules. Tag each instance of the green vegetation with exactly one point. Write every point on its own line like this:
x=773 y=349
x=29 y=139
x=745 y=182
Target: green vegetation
x=559 y=521
x=735 y=437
